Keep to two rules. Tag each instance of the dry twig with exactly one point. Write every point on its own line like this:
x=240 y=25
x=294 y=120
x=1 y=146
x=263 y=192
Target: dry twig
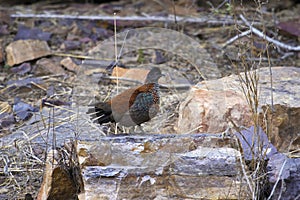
x=259 y=34
x=264 y=36
x=170 y=18
x=231 y=40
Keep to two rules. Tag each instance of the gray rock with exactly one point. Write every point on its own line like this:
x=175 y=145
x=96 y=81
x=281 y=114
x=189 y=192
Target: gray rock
x=284 y=176
x=255 y=143
x=192 y=166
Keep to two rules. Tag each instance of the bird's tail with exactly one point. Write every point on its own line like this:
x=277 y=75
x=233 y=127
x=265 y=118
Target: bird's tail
x=100 y=112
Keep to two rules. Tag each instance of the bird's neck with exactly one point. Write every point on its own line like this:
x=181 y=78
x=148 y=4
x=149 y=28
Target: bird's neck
x=156 y=86
x=153 y=86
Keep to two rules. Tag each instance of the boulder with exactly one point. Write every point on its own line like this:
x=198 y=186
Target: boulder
x=212 y=104
x=210 y=111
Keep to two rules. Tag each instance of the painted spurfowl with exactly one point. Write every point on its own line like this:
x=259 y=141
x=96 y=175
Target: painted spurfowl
x=133 y=106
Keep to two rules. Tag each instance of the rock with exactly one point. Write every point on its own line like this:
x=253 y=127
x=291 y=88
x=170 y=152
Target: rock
x=138 y=76
x=212 y=103
x=255 y=143
x=210 y=111
x=21 y=69
x=283 y=125
x=1 y=54
x=161 y=167
x=97 y=155
x=27 y=82
x=70 y=45
x=24 y=50
x=158 y=58
x=70 y=65
x=284 y=176
x=25 y=33
x=291 y=27
x=57 y=181
x=46 y=66
x=157 y=38
x=6 y=121
x=23 y=111
x=189 y=166
x=134 y=74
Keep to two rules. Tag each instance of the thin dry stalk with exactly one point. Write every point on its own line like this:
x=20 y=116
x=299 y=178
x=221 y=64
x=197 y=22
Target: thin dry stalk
x=249 y=81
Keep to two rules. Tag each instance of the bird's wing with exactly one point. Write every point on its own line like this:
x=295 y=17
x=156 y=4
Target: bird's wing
x=121 y=102
x=144 y=94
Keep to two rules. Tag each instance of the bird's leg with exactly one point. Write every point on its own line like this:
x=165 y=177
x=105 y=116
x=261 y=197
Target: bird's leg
x=126 y=130
x=106 y=130
x=133 y=129
x=141 y=129
x=116 y=129
x=129 y=130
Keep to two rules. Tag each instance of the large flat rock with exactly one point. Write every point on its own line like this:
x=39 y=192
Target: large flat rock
x=161 y=167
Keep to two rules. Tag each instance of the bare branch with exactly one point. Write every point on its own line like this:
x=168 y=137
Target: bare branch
x=236 y=37
x=170 y=18
x=264 y=36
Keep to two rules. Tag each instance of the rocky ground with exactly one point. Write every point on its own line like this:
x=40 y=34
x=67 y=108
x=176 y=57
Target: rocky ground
x=54 y=55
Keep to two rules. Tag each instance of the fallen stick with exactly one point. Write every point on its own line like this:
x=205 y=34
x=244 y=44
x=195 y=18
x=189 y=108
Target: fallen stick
x=169 y=18
x=264 y=36
x=231 y=40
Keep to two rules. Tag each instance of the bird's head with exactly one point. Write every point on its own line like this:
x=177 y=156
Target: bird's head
x=153 y=75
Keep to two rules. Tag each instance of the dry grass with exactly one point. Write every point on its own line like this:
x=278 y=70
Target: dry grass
x=251 y=60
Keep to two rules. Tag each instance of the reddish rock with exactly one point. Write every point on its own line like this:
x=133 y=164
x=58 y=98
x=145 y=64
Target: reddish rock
x=57 y=181
x=212 y=103
x=70 y=65
x=134 y=74
x=210 y=111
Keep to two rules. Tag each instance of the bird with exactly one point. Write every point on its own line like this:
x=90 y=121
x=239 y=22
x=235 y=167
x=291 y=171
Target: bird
x=133 y=106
